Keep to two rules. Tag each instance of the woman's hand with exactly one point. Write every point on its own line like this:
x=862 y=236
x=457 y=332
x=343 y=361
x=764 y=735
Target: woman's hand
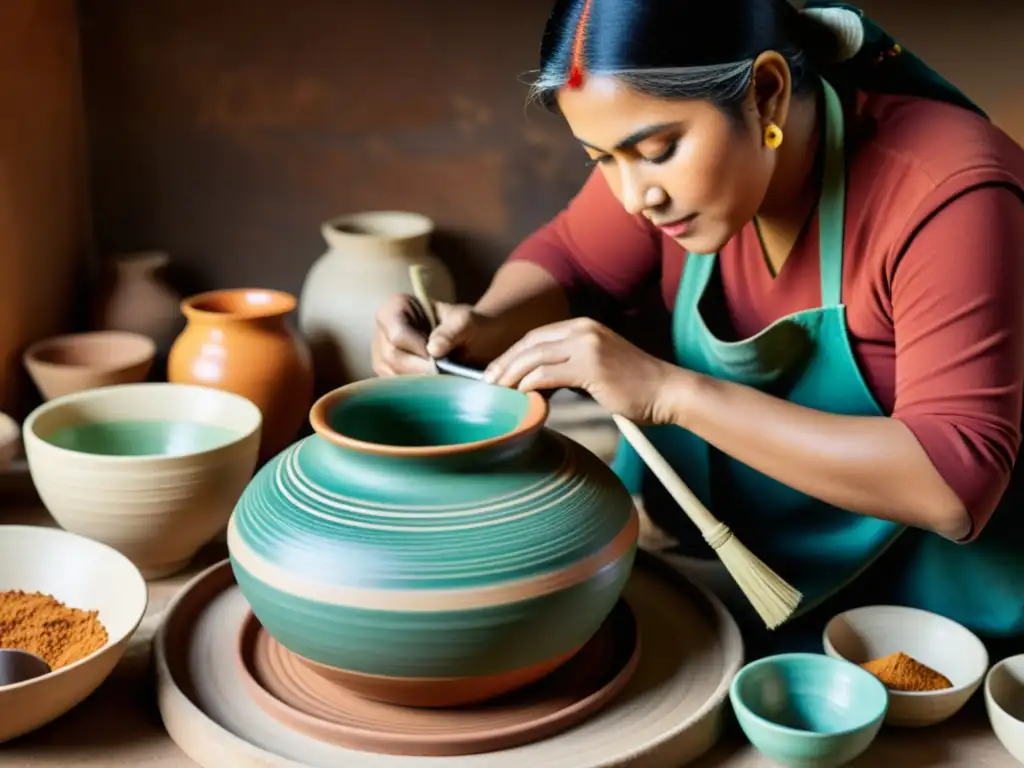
x=583 y=354
x=401 y=341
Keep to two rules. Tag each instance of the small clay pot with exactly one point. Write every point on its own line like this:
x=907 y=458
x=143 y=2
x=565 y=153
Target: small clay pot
x=62 y=365
x=10 y=440
x=241 y=341
x=135 y=296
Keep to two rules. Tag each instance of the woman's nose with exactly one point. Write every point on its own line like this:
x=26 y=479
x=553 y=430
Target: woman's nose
x=639 y=196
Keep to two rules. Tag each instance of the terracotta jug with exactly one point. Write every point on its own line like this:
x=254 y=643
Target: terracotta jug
x=134 y=296
x=240 y=341
x=367 y=260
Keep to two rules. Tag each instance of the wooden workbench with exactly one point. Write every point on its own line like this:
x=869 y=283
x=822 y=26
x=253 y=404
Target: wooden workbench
x=120 y=726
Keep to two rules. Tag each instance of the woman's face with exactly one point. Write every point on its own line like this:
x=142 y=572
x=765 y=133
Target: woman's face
x=684 y=165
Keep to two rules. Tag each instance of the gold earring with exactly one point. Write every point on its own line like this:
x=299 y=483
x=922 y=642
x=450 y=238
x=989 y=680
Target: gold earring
x=772 y=136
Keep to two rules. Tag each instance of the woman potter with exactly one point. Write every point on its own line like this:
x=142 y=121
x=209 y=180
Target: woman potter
x=831 y=239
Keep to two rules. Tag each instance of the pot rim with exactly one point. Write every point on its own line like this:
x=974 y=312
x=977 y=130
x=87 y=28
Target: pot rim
x=533 y=420
x=279 y=303
x=132 y=348
x=388 y=225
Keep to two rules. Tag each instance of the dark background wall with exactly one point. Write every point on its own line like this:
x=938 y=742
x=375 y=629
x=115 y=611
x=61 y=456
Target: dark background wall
x=44 y=195
x=225 y=132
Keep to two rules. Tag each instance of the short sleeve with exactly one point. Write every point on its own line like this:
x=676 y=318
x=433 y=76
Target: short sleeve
x=957 y=294
x=595 y=244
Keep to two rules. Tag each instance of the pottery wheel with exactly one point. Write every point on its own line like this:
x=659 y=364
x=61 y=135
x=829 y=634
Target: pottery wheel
x=669 y=713
x=294 y=694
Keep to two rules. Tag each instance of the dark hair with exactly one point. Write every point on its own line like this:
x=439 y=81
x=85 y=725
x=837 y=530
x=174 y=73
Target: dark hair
x=680 y=49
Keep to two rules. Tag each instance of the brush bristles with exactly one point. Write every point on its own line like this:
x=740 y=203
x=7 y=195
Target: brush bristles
x=772 y=597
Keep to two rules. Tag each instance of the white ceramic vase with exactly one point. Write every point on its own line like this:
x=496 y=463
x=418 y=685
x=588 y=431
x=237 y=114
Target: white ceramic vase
x=367 y=261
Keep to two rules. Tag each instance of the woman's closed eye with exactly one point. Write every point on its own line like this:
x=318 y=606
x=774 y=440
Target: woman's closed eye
x=662 y=155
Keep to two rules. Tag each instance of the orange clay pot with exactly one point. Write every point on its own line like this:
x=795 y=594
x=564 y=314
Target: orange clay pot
x=241 y=341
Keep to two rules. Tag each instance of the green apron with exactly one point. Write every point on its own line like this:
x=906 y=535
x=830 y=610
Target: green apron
x=806 y=358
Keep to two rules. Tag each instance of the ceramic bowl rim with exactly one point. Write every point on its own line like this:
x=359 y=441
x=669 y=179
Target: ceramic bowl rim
x=285 y=303
x=141 y=347
x=956 y=689
x=532 y=421
x=737 y=699
x=989 y=697
x=30 y=435
x=111 y=641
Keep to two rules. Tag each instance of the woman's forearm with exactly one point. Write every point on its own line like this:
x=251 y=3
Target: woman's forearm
x=870 y=465
x=522 y=296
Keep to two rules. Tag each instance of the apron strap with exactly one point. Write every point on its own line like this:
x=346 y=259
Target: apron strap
x=832 y=203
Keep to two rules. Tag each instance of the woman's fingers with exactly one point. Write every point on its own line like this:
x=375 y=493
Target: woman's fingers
x=514 y=369
x=398 y=321
x=392 y=359
x=549 y=377
x=550 y=334
x=454 y=326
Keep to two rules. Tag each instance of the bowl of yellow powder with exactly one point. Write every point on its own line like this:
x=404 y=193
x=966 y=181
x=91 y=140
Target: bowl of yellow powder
x=73 y=602
x=930 y=665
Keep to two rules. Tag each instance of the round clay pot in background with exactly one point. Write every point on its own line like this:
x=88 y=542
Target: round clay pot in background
x=10 y=440
x=367 y=261
x=240 y=341
x=134 y=296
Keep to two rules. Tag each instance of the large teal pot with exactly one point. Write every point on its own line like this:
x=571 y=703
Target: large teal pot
x=433 y=544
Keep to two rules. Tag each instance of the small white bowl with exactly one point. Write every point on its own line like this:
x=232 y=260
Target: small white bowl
x=949 y=648
x=1004 y=702
x=81 y=574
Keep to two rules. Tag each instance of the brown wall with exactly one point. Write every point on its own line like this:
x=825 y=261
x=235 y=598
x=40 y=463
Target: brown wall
x=226 y=131
x=43 y=184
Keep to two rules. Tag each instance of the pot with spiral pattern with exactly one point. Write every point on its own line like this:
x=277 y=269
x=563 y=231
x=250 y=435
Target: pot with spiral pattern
x=433 y=544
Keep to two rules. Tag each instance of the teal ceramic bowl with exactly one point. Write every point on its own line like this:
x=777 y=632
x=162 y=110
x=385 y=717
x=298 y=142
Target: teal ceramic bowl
x=152 y=470
x=432 y=544
x=808 y=710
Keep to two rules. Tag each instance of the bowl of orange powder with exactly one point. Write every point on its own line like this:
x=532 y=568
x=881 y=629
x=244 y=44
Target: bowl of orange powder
x=931 y=665
x=73 y=602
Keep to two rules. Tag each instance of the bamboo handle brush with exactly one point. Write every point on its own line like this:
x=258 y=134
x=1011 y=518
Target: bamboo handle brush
x=771 y=596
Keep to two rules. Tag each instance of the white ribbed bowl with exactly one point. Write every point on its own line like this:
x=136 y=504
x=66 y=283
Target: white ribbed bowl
x=157 y=509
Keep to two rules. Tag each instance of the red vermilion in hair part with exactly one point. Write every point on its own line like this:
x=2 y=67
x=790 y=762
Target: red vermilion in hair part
x=576 y=70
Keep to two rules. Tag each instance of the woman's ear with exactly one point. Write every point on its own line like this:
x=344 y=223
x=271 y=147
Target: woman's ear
x=771 y=89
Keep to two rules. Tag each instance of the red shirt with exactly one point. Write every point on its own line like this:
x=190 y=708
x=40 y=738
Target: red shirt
x=933 y=278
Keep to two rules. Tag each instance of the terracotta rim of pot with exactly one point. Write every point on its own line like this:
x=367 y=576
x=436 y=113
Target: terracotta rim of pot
x=123 y=349
x=236 y=304
x=532 y=421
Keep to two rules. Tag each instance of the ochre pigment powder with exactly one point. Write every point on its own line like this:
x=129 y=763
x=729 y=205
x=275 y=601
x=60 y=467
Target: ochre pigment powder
x=39 y=624
x=900 y=672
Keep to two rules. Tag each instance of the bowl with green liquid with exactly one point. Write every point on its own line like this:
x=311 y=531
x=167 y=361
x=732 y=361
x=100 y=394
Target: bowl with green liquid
x=153 y=470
